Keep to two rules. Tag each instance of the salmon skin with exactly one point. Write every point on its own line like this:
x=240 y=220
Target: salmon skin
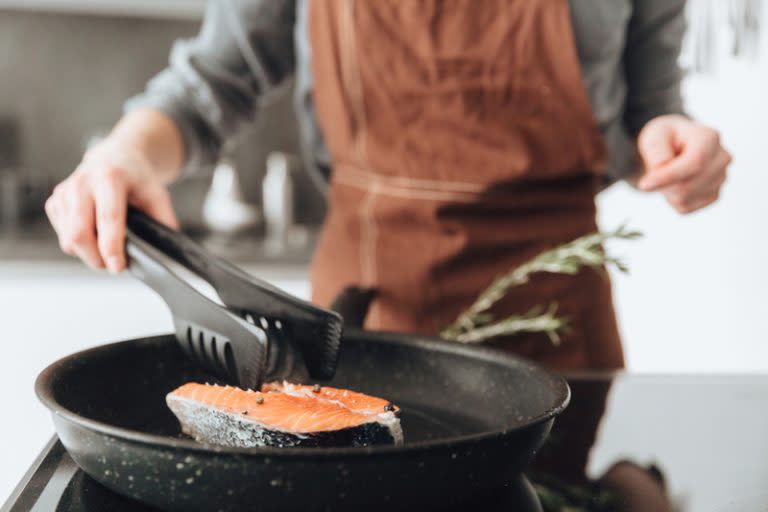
x=284 y=414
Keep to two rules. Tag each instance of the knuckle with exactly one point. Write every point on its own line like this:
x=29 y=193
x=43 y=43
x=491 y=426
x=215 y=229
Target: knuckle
x=66 y=242
x=108 y=212
x=712 y=137
x=65 y=246
x=109 y=215
x=112 y=174
x=79 y=179
x=680 y=192
x=674 y=199
x=75 y=181
x=59 y=189
x=80 y=234
x=109 y=248
x=698 y=159
x=678 y=200
x=153 y=193
x=49 y=206
x=645 y=137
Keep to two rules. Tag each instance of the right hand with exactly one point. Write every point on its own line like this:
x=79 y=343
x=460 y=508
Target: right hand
x=88 y=209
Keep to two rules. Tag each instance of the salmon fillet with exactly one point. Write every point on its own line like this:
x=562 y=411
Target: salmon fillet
x=283 y=414
x=356 y=402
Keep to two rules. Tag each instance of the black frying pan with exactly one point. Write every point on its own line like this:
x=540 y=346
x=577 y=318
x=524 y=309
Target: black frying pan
x=472 y=419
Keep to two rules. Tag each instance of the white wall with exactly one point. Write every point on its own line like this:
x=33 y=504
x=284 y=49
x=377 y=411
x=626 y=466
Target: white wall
x=696 y=297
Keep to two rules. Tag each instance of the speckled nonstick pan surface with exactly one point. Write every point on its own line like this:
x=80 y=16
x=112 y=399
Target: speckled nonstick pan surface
x=472 y=418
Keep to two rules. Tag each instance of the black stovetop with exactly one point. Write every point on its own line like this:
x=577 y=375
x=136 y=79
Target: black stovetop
x=55 y=483
x=648 y=443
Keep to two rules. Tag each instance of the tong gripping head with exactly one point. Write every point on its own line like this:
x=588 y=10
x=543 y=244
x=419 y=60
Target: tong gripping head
x=222 y=343
x=261 y=332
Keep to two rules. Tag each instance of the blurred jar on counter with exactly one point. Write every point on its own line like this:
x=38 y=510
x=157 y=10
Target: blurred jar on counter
x=10 y=202
x=22 y=191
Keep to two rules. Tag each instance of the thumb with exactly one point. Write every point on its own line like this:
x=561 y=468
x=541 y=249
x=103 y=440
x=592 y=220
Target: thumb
x=157 y=204
x=656 y=144
x=656 y=147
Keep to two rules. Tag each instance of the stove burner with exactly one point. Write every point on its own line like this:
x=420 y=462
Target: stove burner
x=55 y=483
x=85 y=494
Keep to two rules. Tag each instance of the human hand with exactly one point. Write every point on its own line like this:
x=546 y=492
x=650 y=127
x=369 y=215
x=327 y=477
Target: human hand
x=88 y=209
x=683 y=160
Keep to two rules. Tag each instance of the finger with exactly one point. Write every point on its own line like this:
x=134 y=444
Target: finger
x=81 y=225
x=699 y=203
x=110 y=192
x=688 y=204
x=701 y=185
x=157 y=204
x=656 y=145
x=714 y=177
x=690 y=162
x=697 y=146
x=53 y=210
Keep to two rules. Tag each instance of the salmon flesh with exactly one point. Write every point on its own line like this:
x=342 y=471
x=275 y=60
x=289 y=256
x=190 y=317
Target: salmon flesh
x=284 y=414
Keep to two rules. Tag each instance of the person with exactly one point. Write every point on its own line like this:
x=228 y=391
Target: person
x=459 y=138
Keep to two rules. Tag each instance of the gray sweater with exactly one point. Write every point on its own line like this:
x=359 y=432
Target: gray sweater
x=247 y=49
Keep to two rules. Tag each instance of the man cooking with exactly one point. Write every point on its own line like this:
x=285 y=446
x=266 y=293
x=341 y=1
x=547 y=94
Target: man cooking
x=460 y=138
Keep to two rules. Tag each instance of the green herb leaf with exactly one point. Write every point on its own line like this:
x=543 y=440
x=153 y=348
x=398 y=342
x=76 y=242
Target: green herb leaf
x=476 y=324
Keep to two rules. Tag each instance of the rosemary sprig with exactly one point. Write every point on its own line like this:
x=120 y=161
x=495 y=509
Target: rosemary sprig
x=476 y=324
x=535 y=320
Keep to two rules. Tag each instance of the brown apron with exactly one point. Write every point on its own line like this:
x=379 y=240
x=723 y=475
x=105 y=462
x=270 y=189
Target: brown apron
x=462 y=144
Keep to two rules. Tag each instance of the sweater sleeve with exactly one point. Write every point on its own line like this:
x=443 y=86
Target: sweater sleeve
x=215 y=82
x=652 y=51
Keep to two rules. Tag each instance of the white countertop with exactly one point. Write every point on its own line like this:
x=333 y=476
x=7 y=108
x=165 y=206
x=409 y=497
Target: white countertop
x=49 y=310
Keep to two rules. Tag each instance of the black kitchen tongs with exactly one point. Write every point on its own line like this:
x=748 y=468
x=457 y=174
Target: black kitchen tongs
x=262 y=332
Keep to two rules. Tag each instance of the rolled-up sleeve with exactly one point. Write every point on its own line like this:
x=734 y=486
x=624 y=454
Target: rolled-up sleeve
x=215 y=82
x=654 y=39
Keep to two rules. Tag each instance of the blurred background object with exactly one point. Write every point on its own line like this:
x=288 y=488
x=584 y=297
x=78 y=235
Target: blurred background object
x=744 y=18
x=23 y=191
x=279 y=203
x=224 y=209
x=66 y=68
x=10 y=182
x=713 y=24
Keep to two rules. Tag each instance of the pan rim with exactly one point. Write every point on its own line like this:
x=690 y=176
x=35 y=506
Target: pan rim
x=559 y=386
